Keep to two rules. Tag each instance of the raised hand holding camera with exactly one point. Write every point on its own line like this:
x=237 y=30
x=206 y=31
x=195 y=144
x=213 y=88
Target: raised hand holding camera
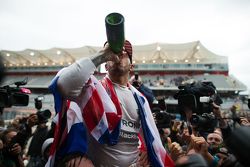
x=42 y=115
x=200 y=98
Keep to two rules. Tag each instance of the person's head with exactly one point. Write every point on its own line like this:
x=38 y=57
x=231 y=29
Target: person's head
x=218 y=131
x=233 y=108
x=124 y=66
x=214 y=140
x=164 y=133
x=7 y=136
x=46 y=147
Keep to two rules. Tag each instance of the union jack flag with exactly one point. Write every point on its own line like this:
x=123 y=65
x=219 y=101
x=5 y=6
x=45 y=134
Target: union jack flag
x=100 y=114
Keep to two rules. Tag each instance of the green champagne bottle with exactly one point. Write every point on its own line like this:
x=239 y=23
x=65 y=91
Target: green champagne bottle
x=114 y=23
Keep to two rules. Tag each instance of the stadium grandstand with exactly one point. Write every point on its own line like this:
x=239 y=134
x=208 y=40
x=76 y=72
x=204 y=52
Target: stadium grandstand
x=161 y=66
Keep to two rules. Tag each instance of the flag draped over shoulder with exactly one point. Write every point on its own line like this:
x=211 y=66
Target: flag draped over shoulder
x=99 y=113
x=101 y=117
x=156 y=152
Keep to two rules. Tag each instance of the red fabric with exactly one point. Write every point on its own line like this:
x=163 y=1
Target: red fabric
x=107 y=84
x=128 y=49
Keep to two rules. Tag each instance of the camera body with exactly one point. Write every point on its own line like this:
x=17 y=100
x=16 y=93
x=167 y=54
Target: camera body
x=38 y=102
x=163 y=118
x=42 y=115
x=198 y=97
x=204 y=123
x=14 y=96
x=20 y=138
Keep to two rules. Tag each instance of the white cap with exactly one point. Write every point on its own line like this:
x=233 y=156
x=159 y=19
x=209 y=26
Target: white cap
x=46 y=144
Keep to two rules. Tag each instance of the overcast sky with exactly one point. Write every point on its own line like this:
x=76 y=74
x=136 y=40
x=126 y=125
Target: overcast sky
x=222 y=26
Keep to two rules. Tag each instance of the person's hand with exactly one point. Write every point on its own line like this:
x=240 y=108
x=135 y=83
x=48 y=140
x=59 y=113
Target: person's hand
x=244 y=121
x=216 y=111
x=185 y=136
x=80 y=161
x=32 y=120
x=15 y=149
x=176 y=125
x=175 y=150
x=199 y=144
x=222 y=158
x=217 y=114
x=109 y=55
x=143 y=159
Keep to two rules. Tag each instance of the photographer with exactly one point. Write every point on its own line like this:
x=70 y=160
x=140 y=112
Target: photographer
x=24 y=129
x=40 y=134
x=15 y=140
x=236 y=139
x=136 y=81
x=39 y=137
x=12 y=152
x=195 y=102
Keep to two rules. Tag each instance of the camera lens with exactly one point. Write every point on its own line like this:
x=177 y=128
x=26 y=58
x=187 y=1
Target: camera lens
x=43 y=116
x=195 y=120
x=46 y=114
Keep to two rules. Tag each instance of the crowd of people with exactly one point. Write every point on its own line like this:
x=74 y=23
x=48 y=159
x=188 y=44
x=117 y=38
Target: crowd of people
x=175 y=137
x=14 y=147
x=109 y=122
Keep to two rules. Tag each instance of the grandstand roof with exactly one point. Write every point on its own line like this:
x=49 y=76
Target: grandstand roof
x=192 y=52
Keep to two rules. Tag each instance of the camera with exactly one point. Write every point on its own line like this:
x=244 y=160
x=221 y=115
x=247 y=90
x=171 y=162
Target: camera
x=206 y=99
x=199 y=96
x=38 y=102
x=136 y=81
x=163 y=118
x=19 y=138
x=14 y=96
x=204 y=123
x=43 y=115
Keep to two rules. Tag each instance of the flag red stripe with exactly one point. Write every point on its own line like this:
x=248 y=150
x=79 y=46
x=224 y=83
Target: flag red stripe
x=93 y=111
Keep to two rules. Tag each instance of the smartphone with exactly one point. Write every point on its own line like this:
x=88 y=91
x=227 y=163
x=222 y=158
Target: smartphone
x=136 y=76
